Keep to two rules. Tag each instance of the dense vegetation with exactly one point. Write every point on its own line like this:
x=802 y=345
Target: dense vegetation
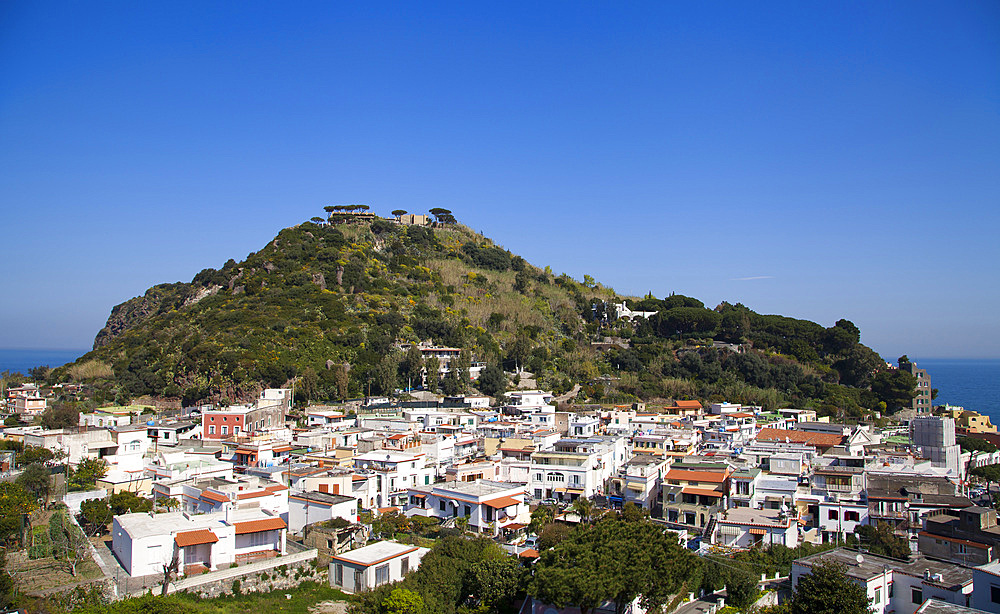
x=328 y=305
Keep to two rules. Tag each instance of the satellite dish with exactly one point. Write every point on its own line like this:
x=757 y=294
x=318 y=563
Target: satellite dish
x=860 y=559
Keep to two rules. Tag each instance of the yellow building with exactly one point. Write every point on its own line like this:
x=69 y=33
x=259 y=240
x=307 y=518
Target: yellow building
x=975 y=422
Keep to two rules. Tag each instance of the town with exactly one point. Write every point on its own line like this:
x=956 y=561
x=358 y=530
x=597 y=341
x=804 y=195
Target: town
x=192 y=499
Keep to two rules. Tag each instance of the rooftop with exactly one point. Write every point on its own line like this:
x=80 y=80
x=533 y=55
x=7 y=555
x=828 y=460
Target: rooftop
x=479 y=488
x=376 y=553
x=872 y=566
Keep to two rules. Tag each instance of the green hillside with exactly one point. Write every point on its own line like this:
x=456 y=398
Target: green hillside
x=329 y=303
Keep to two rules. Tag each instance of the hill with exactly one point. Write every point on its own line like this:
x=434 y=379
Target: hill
x=329 y=303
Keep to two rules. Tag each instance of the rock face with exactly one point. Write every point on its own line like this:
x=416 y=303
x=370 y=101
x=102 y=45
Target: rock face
x=132 y=312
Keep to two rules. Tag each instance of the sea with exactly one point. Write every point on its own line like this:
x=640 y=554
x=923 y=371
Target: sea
x=19 y=361
x=972 y=384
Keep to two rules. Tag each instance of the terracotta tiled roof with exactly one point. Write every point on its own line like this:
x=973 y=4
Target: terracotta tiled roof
x=502 y=502
x=256 y=526
x=696 y=476
x=530 y=553
x=193 y=538
x=821 y=440
x=214 y=496
x=688 y=404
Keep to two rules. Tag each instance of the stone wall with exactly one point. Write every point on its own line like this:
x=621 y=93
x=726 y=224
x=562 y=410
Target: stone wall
x=261 y=577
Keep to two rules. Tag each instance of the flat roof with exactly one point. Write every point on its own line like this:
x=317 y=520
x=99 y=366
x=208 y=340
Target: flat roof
x=375 y=553
x=479 y=488
x=871 y=566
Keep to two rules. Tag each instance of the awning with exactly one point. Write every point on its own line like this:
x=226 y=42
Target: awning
x=502 y=502
x=256 y=526
x=417 y=495
x=579 y=490
x=194 y=538
x=514 y=527
x=756 y=531
x=704 y=492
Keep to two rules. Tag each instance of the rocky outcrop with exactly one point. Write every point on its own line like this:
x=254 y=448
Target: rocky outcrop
x=133 y=312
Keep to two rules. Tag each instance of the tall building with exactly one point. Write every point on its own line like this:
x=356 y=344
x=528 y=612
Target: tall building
x=935 y=436
x=921 y=402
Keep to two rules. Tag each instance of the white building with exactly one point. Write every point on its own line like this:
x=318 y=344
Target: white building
x=374 y=565
x=143 y=543
x=395 y=472
x=894 y=586
x=306 y=508
x=528 y=402
x=489 y=506
x=330 y=419
x=986 y=587
x=744 y=527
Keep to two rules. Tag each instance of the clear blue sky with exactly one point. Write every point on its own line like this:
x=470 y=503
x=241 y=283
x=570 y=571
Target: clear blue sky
x=843 y=156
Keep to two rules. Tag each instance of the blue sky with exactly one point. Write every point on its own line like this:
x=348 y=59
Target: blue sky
x=819 y=160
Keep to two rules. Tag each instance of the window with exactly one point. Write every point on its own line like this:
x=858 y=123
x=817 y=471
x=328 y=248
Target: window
x=466 y=510
x=832 y=515
x=225 y=429
x=338 y=575
x=917 y=595
x=441 y=506
x=427 y=479
x=236 y=430
x=404 y=566
x=258 y=539
x=852 y=516
x=878 y=596
x=538 y=493
x=381 y=574
x=211 y=429
x=995 y=594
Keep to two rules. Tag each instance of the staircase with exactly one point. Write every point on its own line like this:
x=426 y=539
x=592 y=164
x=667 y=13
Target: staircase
x=706 y=535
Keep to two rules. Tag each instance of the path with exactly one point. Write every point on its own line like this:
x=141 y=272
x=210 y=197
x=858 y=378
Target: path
x=569 y=395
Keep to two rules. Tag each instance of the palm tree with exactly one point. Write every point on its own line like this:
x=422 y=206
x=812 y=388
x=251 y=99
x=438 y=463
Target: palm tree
x=584 y=508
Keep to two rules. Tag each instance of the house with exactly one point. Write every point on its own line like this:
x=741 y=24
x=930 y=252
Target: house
x=692 y=494
x=822 y=442
x=896 y=587
x=171 y=433
x=242 y=420
x=210 y=495
x=333 y=537
x=330 y=419
x=986 y=587
x=969 y=536
x=76 y=443
x=638 y=481
x=306 y=508
x=576 y=467
x=489 y=506
x=143 y=543
x=744 y=527
x=374 y=565
x=396 y=472
x=528 y=402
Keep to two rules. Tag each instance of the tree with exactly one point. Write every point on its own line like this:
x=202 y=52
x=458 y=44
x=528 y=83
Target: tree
x=742 y=591
x=828 y=590
x=584 y=508
x=881 y=540
x=974 y=444
x=403 y=601
x=894 y=387
x=433 y=367
x=412 y=366
x=128 y=502
x=492 y=381
x=316 y=220
x=96 y=514
x=399 y=212
x=87 y=473
x=552 y=535
x=541 y=517
x=989 y=473
x=649 y=564
x=37 y=479
x=15 y=504
x=496 y=582
x=61 y=416
x=170 y=571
